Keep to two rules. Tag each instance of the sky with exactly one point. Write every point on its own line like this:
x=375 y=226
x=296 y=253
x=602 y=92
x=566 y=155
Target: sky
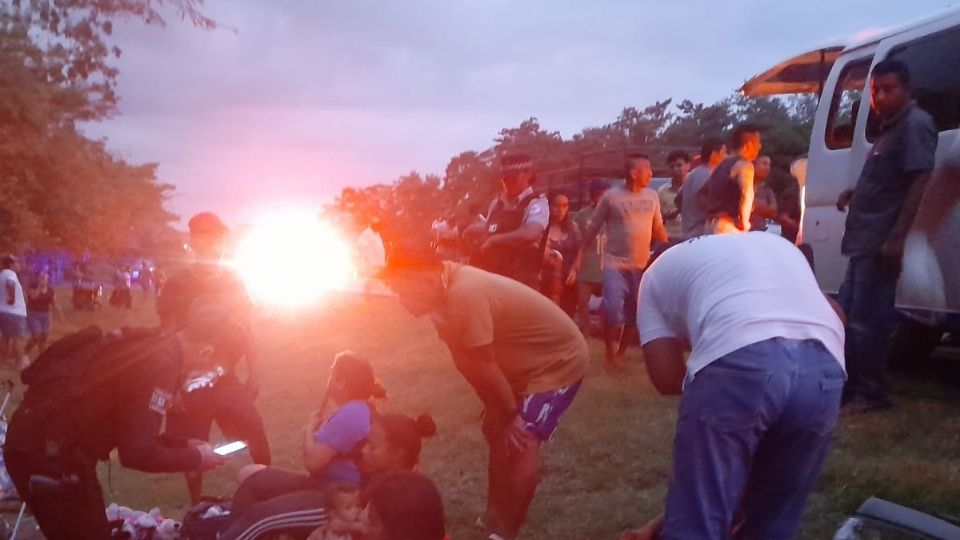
x=289 y=101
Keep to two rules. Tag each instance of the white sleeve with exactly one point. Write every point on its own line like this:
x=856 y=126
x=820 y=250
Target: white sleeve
x=538 y=211
x=652 y=321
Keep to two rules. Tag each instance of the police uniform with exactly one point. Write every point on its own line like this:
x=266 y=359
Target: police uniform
x=227 y=402
x=54 y=441
x=520 y=263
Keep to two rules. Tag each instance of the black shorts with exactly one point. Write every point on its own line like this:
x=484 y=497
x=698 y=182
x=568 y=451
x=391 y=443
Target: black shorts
x=227 y=403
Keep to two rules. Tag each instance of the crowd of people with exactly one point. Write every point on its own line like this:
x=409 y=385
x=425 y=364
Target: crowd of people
x=735 y=323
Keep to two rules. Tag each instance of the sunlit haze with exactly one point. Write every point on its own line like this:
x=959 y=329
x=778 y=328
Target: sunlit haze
x=291 y=259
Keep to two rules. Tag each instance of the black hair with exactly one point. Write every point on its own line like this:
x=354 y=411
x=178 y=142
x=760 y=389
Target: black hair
x=738 y=138
x=409 y=506
x=7 y=261
x=357 y=374
x=405 y=435
x=710 y=145
x=629 y=162
x=892 y=66
x=678 y=154
x=411 y=256
x=565 y=222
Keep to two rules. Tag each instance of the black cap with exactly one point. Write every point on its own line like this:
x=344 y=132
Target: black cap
x=598 y=186
x=207 y=223
x=516 y=163
x=410 y=256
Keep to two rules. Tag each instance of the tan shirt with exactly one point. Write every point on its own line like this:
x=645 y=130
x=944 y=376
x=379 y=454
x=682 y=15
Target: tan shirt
x=668 y=204
x=536 y=345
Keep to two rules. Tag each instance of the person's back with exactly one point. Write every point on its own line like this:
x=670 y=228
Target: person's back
x=723 y=191
x=733 y=290
x=536 y=344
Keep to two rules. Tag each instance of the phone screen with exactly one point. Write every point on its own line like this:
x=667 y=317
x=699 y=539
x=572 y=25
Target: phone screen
x=226 y=449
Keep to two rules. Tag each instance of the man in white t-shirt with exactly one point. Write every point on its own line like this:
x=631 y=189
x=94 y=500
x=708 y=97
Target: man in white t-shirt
x=761 y=388
x=13 y=311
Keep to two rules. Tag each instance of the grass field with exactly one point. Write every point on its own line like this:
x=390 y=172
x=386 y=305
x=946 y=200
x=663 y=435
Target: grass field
x=608 y=467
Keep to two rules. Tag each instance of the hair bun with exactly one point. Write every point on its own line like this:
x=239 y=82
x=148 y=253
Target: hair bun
x=425 y=426
x=377 y=391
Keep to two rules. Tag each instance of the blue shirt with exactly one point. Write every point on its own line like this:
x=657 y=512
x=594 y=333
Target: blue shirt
x=344 y=431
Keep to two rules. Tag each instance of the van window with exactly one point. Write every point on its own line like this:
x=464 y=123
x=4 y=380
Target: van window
x=846 y=104
x=934 y=63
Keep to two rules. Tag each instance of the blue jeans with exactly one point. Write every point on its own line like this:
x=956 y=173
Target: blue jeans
x=620 y=290
x=867 y=297
x=752 y=433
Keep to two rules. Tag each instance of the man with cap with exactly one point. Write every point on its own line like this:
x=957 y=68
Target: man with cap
x=590 y=278
x=516 y=226
x=228 y=402
x=523 y=356
x=91 y=393
x=13 y=312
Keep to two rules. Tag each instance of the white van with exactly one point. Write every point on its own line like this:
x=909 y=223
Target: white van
x=841 y=139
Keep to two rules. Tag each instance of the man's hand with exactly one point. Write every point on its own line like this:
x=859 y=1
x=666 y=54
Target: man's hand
x=571 y=277
x=891 y=254
x=512 y=436
x=844 y=200
x=208 y=458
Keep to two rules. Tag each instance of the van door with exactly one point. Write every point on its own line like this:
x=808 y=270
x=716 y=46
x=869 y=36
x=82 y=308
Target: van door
x=837 y=152
x=931 y=276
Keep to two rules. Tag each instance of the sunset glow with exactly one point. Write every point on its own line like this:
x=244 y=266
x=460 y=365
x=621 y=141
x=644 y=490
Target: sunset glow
x=292 y=259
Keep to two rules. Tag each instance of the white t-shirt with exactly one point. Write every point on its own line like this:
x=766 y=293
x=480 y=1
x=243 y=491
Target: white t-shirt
x=724 y=292
x=19 y=306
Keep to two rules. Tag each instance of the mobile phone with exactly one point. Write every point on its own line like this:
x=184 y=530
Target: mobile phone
x=229 y=448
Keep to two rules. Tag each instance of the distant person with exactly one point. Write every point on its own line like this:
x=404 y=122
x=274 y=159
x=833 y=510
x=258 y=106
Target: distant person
x=523 y=356
x=764 y=198
x=89 y=394
x=590 y=277
x=562 y=258
x=760 y=389
x=786 y=190
x=515 y=226
x=228 y=402
x=730 y=188
x=446 y=238
x=678 y=162
x=121 y=296
x=692 y=196
x=631 y=215
x=371 y=253
x=882 y=207
x=13 y=313
x=41 y=300
x=145 y=278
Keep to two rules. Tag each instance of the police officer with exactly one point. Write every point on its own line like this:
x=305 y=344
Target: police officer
x=229 y=402
x=516 y=226
x=89 y=394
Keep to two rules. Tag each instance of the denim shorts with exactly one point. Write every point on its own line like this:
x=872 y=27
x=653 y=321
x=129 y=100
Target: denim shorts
x=12 y=326
x=38 y=323
x=620 y=290
x=541 y=412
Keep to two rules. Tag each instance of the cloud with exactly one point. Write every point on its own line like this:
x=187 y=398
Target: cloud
x=298 y=98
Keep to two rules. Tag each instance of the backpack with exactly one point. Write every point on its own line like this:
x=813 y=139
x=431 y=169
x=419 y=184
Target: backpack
x=69 y=385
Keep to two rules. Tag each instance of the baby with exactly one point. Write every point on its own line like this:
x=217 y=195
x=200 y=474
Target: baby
x=344 y=510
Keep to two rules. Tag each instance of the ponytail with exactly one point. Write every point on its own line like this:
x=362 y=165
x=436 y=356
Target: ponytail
x=357 y=374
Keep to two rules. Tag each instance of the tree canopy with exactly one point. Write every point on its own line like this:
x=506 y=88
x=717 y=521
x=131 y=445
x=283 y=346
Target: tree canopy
x=59 y=188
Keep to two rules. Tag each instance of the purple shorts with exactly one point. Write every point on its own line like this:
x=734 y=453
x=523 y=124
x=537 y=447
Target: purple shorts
x=541 y=412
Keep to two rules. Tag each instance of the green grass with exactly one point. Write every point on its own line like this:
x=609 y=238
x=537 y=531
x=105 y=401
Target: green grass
x=608 y=467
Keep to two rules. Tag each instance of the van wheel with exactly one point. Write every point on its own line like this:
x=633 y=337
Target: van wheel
x=912 y=344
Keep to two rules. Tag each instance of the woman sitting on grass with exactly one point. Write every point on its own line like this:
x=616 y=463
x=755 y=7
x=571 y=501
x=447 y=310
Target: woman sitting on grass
x=272 y=499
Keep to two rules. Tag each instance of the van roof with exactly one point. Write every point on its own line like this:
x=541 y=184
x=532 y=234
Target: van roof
x=806 y=72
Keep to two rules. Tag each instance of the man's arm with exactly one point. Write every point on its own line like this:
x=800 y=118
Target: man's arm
x=526 y=234
x=665 y=365
x=140 y=446
x=893 y=248
x=477 y=365
x=745 y=181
